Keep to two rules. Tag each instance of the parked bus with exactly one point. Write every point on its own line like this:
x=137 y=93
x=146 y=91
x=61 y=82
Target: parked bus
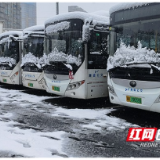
x=77 y=46
x=136 y=83
x=32 y=60
x=10 y=57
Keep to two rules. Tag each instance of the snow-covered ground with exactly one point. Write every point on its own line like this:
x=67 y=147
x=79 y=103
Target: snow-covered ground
x=26 y=140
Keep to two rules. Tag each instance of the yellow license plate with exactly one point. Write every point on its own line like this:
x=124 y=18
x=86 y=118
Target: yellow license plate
x=30 y=84
x=4 y=80
x=134 y=99
x=55 y=88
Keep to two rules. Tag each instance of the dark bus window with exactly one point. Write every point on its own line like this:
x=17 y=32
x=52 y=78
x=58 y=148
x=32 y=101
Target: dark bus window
x=98 y=50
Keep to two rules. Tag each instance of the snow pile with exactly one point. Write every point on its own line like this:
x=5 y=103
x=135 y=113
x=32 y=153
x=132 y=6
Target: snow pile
x=8 y=39
x=37 y=29
x=124 y=6
x=55 y=55
x=28 y=142
x=129 y=54
x=72 y=59
x=68 y=66
x=86 y=17
x=30 y=58
x=4 y=40
x=43 y=60
x=34 y=28
x=99 y=116
x=9 y=33
x=25 y=139
x=86 y=32
x=101 y=13
x=57 y=27
x=8 y=60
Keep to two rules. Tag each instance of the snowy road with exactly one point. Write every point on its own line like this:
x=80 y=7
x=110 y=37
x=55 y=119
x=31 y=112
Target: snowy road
x=36 y=124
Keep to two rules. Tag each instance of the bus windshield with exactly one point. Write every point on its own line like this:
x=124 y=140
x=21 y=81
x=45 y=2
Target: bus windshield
x=147 y=32
x=10 y=50
x=64 y=44
x=34 y=45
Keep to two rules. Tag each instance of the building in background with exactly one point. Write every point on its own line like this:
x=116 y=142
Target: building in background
x=10 y=15
x=75 y=8
x=28 y=15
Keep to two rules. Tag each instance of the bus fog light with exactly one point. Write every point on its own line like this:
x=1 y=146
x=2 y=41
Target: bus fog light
x=111 y=90
x=73 y=93
x=157 y=100
x=112 y=97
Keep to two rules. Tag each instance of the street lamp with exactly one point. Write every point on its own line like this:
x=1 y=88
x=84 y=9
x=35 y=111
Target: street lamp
x=57 y=7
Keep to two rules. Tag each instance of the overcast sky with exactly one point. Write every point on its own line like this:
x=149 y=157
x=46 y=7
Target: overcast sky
x=48 y=10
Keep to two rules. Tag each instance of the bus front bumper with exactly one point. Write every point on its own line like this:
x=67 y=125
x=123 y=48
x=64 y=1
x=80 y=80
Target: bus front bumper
x=148 y=99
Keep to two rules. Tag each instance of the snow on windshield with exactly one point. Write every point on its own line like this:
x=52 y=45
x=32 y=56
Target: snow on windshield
x=8 y=60
x=129 y=55
x=30 y=58
x=122 y=6
x=55 y=55
x=57 y=27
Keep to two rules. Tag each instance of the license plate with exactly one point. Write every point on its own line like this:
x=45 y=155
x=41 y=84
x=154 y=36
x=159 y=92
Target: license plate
x=134 y=99
x=30 y=84
x=4 y=80
x=56 y=88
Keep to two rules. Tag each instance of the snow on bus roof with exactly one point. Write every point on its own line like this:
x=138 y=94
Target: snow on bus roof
x=99 y=17
x=34 y=28
x=101 y=13
x=123 y=6
x=19 y=33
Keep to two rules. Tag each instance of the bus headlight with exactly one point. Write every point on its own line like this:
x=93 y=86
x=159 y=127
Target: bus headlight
x=157 y=100
x=75 y=85
x=111 y=90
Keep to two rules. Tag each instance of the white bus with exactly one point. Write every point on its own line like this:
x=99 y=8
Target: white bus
x=32 y=60
x=10 y=57
x=77 y=48
x=134 y=71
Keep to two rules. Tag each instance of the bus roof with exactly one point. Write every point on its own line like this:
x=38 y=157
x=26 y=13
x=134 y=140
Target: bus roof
x=123 y=6
x=96 y=17
x=35 y=28
x=8 y=33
